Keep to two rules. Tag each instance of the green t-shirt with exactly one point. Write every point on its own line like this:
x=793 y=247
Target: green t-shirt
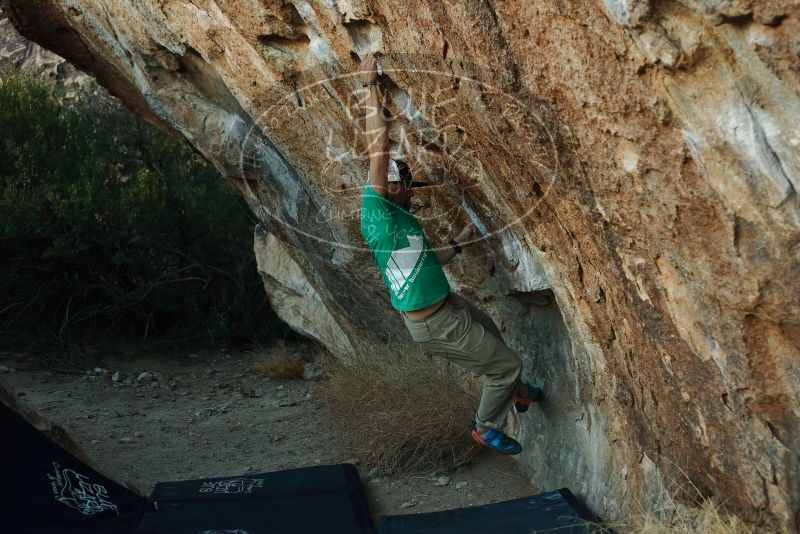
x=410 y=269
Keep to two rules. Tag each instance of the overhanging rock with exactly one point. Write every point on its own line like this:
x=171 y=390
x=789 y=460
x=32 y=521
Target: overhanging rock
x=643 y=154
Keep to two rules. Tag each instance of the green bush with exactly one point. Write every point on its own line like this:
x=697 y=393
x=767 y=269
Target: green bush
x=109 y=225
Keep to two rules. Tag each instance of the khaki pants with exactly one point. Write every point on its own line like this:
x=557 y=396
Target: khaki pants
x=469 y=338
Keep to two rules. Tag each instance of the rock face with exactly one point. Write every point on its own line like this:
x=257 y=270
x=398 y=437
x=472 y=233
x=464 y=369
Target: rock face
x=19 y=52
x=632 y=165
x=293 y=295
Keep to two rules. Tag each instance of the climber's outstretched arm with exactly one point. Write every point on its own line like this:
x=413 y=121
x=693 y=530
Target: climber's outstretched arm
x=464 y=238
x=377 y=137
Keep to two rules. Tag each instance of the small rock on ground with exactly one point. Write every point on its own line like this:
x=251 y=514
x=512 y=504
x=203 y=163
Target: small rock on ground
x=310 y=371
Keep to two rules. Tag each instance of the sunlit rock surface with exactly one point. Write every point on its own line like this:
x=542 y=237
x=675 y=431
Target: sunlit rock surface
x=633 y=166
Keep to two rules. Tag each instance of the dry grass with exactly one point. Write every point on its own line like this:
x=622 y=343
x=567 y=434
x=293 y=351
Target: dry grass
x=710 y=517
x=696 y=514
x=280 y=364
x=400 y=410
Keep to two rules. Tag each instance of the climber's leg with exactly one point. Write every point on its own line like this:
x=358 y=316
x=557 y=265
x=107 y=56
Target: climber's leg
x=456 y=334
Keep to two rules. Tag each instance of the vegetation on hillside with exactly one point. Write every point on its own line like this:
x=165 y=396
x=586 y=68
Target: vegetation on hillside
x=109 y=226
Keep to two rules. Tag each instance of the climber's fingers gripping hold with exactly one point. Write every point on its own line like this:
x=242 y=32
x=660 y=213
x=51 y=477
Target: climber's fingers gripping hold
x=369 y=67
x=467 y=234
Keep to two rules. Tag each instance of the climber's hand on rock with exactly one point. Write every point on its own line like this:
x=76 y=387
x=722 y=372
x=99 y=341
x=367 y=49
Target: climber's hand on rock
x=467 y=235
x=369 y=67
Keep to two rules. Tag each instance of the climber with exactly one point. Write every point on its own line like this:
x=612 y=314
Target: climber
x=440 y=321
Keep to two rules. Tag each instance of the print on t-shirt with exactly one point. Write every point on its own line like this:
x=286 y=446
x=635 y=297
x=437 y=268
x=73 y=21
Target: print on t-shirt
x=402 y=262
x=411 y=272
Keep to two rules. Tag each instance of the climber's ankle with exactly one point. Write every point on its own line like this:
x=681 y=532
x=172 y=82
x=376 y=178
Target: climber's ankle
x=481 y=429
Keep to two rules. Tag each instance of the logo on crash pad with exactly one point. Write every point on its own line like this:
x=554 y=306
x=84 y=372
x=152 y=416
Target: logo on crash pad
x=233 y=485
x=78 y=492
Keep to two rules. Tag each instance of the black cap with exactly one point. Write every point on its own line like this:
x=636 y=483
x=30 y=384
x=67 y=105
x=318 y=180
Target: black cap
x=405 y=175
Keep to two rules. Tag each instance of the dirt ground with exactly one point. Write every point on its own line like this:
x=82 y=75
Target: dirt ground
x=201 y=415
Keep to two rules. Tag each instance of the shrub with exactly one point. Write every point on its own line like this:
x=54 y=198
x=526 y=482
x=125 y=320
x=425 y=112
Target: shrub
x=400 y=410
x=109 y=225
x=279 y=364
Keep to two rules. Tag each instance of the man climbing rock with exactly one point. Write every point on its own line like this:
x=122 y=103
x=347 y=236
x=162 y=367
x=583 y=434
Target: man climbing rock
x=440 y=321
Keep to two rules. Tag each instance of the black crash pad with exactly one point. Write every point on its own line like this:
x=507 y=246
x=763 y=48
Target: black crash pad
x=44 y=489
x=554 y=511
x=326 y=499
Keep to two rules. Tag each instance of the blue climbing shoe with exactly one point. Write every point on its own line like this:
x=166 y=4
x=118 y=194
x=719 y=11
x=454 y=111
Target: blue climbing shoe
x=497 y=441
x=534 y=394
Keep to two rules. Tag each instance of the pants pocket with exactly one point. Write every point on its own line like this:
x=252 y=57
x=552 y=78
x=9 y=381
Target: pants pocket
x=463 y=321
x=452 y=327
x=419 y=331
